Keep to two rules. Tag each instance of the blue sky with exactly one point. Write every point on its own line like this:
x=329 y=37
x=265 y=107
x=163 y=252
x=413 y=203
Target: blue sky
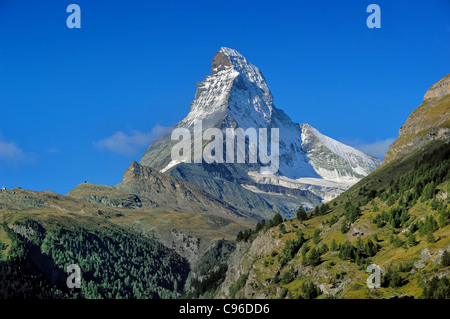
x=81 y=104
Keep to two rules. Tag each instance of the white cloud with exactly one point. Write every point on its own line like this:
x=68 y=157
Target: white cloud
x=131 y=143
x=10 y=152
x=377 y=148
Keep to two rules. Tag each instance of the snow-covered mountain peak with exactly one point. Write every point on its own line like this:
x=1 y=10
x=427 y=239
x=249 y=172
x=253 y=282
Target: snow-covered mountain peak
x=231 y=52
x=237 y=89
x=236 y=95
x=249 y=71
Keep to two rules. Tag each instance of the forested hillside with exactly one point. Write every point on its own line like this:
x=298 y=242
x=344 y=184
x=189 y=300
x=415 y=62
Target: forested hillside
x=114 y=263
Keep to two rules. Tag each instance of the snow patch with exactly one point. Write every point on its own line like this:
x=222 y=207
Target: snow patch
x=170 y=165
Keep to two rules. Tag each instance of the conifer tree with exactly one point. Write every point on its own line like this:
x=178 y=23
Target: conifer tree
x=301 y=214
x=444 y=217
x=445 y=262
x=411 y=240
x=359 y=245
x=316 y=236
x=334 y=245
x=277 y=219
x=314 y=257
x=428 y=191
x=324 y=249
x=430 y=238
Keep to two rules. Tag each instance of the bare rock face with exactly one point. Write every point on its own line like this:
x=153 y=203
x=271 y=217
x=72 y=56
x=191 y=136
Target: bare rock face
x=185 y=245
x=241 y=262
x=439 y=89
x=429 y=122
x=220 y=62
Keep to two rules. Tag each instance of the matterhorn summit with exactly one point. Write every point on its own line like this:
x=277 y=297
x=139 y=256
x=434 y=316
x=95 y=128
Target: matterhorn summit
x=236 y=88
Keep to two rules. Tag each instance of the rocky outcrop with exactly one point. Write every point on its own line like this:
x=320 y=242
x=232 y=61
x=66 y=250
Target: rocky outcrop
x=241 y=263
x=21 y=199
x=185 y=245
x=427 y=123
x=220 y=62
x=439 y=89
x=426 y=256
x=130 y=201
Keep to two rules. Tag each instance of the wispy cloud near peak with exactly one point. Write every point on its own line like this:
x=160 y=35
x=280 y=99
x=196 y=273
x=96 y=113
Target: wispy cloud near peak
x=132 y=142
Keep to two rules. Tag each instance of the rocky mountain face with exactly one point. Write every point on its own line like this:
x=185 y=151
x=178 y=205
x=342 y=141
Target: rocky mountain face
x=172 y=192
x=230 y=184
x=428 y=122
x=312 y=167
x=334 y=160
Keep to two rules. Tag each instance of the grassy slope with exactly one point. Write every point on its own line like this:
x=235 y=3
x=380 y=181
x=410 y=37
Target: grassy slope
x=355 y=277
